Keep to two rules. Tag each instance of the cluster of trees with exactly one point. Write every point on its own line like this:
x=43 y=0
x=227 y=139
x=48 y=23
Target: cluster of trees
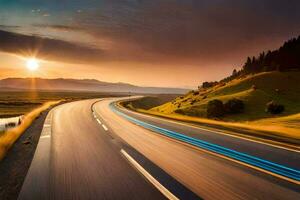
x=235 y=74
x=216 y=108
x=286 y=58
x=274 y=108
x=209 y=84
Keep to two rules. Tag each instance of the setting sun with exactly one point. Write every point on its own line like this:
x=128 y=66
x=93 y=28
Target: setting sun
x=32 y=64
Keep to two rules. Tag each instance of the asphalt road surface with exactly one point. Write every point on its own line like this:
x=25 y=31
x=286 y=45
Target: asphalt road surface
x=108 y=157
x=81 y=162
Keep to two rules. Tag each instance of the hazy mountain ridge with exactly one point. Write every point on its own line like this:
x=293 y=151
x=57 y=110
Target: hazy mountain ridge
x=61 y=84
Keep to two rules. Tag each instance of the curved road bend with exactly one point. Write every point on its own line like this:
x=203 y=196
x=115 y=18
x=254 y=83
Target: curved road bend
x=209 y=176
x=78 y=161
x=283 y=156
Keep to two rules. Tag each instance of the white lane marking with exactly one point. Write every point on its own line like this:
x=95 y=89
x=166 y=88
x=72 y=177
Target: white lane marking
x=47 y=125
x=99 y=121
x=149 y=177
x=45 y=136
x=105 y=128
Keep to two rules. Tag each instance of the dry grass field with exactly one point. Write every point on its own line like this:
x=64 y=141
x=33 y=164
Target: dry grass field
x=8 y=138
x=21 y=102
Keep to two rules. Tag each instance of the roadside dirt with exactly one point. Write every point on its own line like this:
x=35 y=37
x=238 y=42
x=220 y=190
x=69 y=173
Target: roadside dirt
x=14 y=167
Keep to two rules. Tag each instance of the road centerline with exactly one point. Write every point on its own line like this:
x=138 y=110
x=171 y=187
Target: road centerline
x=99 y=121
x=104 y=127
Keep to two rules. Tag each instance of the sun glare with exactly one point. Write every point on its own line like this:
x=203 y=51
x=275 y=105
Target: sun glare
x=32 y=64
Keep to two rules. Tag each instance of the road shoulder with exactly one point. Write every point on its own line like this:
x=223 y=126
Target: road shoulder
x=14 y=167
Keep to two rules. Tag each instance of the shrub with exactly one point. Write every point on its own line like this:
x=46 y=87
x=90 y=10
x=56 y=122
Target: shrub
x=234 y=106
x=274 y=108
x=222 y=84
x=254 y=87
x=195 y=92
x=209 y=84
x=215 y=109
x=179 y=111
x=193 y=101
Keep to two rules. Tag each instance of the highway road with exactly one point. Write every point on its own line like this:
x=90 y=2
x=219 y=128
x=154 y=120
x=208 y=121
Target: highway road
x=88 y=150
x=81 y=162
x=277 y=154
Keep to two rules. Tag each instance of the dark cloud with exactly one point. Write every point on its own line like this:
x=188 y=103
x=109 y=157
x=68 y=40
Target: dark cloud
x=8 y=27
x=193 y=30
x=58 y=27
x=198 y=32
x=47 y=48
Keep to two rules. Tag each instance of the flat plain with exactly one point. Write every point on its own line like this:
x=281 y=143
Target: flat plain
x=15 y=103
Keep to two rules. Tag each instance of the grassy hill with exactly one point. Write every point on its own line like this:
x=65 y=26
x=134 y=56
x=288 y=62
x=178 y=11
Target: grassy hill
x=149 y=102
x=255 y=90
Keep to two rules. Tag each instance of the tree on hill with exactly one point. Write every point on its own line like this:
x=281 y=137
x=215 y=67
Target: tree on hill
x=234 y=72
x=215 y=109
x=286 y=58
x=209 y=84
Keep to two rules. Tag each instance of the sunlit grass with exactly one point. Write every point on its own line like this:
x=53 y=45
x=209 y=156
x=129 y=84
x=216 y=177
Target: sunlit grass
x=8 y=138
x=291 y=121
x=270 y=127
x=281 y=87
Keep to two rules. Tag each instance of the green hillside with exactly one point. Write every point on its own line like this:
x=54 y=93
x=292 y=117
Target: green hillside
x=149 y=102
x=255 y=90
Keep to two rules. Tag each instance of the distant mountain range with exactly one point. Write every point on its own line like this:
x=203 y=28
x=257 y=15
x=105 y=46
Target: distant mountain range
x=13 y=84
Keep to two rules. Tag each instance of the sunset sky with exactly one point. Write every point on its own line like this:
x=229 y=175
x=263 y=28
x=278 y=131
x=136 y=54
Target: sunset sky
x=171 y=43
